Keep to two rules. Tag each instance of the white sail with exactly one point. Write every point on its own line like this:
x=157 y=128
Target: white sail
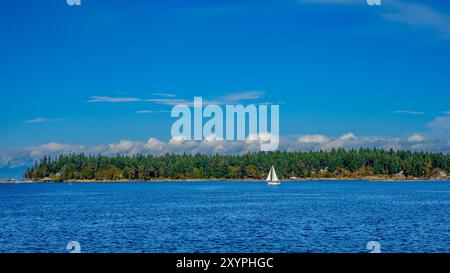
x=274 y=175
x=269 y=177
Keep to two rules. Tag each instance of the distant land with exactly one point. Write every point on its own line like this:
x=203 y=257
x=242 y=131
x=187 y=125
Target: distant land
x=339 y=164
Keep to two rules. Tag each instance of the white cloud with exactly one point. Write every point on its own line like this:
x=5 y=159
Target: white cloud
x=36 y=120
x=26 y=156
x=178 y=140
x=440 y=123
x=112 y=99
x=126 y=147
x=42 y=120
x=415 y=15
x=213 y=138
x=153 y=144
x=409 y=112
x=313 y=139
x=348 y=136
x=6 y=160
x=240 y=96
x=54 y=148
x=163 y=95
x=171 y=102
x=344 y=141
x=263 y=137
x=418 y=16
x=416 y=138
x=230 y=98
x=151 y=111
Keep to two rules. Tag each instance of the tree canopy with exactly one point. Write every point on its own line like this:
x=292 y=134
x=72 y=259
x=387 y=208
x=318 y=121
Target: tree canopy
x=337 y=163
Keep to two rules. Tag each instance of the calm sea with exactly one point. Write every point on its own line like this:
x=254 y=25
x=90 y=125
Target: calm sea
x=226 y=217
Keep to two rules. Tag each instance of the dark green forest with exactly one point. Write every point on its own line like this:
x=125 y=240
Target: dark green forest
x=338 y=163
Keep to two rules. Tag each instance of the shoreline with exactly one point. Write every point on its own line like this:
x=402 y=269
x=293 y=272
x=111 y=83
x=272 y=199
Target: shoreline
x=368 y=179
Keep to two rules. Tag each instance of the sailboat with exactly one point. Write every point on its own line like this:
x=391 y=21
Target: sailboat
x=272 y=178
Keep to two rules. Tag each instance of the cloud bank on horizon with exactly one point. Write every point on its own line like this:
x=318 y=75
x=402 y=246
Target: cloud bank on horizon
x=417 y=142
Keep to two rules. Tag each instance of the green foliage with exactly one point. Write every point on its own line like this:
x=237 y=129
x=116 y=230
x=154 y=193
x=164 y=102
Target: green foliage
x=338 y=163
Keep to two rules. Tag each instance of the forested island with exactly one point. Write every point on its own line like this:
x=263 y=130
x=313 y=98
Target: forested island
x=334 y=164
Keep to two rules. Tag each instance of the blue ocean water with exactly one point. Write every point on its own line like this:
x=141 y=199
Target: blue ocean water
x=340 y=216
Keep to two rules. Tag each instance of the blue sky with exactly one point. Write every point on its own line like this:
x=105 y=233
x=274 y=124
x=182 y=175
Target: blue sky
x=336 y=66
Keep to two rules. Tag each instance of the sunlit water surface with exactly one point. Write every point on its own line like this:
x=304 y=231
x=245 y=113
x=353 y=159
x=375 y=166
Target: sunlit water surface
x=226 y=217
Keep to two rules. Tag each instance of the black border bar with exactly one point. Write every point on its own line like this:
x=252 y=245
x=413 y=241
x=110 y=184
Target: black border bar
x=238 y=262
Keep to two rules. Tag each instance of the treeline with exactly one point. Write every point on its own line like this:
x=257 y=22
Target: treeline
x=321 y=164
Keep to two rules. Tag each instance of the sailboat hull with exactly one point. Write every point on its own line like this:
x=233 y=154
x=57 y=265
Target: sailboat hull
x=273 y=183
